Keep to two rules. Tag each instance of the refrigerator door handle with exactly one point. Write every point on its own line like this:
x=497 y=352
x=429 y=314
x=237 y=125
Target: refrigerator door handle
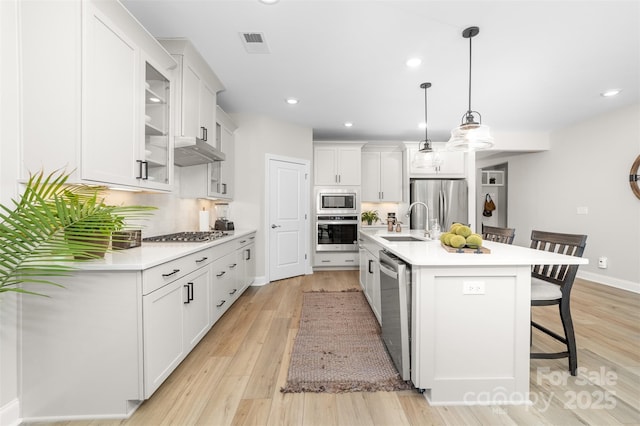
x=443 y=212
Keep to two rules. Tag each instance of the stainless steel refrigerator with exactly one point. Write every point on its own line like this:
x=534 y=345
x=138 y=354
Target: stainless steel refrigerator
x=447 y=200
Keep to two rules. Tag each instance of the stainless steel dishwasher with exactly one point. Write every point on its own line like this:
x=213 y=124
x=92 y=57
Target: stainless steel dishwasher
x=395 y=300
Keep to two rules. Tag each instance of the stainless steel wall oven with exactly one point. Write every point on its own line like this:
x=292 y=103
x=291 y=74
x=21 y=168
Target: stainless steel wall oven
x=337 y=233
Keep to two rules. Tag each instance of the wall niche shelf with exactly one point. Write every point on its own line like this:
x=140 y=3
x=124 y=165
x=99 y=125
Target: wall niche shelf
x=492 y=178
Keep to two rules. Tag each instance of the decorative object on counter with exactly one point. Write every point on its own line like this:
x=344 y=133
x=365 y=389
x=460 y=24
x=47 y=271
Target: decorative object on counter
x=489 y=206
x=370 y=216
x=471 y=135
x=461 y=239
x=53 y=223
x=338 y=347
x=634 y=177
x=126 y=239
x=398 y=227
x=203 y=220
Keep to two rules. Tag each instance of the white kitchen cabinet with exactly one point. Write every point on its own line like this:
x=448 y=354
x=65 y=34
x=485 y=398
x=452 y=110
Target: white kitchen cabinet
x=220 y=182
x=225 y=286
x=382 y=176
x=371 y=277
x=103 y=62
x=447 y=164
x=196 y=96
x=337 y=164
x=106 y=340
x=246 y=258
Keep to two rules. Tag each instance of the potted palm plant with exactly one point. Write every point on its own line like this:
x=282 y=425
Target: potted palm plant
x=370 y=216
x=51 y=225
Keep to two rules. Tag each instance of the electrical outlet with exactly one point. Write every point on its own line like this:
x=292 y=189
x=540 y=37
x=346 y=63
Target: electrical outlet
x=602 y=262
x=473 y=287
x=582 y=210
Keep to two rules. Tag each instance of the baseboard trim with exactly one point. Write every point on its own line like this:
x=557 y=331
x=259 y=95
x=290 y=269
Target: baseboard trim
x=260 y=281
x=10 y=413
x=609 y=281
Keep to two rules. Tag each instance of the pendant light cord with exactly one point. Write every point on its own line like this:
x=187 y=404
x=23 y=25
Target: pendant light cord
x=426 y=127
x=469 y=110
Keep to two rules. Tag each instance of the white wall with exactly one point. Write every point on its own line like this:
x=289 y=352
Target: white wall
x=587 y=166
x=256 y=137
x=9 y=136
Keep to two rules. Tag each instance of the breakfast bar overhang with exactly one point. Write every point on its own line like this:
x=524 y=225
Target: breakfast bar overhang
x=470 y=319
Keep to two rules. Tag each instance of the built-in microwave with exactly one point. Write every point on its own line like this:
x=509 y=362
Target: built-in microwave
x=337 y=201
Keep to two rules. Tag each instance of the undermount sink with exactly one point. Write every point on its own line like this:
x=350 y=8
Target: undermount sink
x=402 y=238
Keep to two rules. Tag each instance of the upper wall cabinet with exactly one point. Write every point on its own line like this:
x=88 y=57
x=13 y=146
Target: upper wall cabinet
x=382 y=176
x=213 y=180
x=197 y=92
x=441 y=163
x=337 y=163
x=102 y=106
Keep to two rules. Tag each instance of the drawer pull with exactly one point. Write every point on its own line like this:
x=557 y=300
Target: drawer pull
x=233 y=292
x=349 y=260
x=175 y=271
x=221 y=274
x=325 y=261
x=243 y=241
x=233 y=265
x=221 y=303
x=201 y=260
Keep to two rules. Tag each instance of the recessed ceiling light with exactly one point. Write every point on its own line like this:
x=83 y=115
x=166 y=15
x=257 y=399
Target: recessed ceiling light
x=154 y=100
x=291 y=101
x=413 y=62
x=269 y=1
x=610 y=93
x=348 y=124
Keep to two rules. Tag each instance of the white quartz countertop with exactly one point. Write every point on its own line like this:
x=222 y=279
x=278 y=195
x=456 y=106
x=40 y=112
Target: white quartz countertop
x=153 y=254
x=431 y=253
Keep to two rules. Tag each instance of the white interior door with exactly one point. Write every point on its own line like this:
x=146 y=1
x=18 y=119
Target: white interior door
x=288 y=195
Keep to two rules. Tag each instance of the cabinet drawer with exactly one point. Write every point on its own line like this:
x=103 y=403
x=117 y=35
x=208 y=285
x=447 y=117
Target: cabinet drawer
x=245 y=241
x=158 y=276
x=336 y=259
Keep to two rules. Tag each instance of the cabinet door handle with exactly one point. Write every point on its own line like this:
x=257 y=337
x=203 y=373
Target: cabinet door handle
x=248 y=254
x=146 y=170
x=221 y=273
x=190 y=293
x=201 y=260
x=382 y=195
x=370 y=263
x=188 y=299
x=175 y=271
x=224 y=188
x=221 y=303
x=204 y=133
x=233 y=292
x=139 y=169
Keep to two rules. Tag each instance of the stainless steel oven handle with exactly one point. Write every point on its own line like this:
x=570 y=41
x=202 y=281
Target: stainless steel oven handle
x=337 y=222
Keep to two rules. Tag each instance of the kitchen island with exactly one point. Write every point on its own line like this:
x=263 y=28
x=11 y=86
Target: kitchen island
x=470 y=318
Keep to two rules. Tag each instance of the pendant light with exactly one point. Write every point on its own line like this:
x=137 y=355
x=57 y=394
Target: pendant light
x=471 y=135
x=426 y=156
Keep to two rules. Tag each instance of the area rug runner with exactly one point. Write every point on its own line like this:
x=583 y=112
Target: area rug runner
x=338 y=347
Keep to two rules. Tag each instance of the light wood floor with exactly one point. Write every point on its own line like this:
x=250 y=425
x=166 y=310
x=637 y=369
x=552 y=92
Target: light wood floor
x=235 y=374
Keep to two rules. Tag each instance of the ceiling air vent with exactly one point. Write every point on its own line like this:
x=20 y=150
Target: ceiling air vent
x=254 y=42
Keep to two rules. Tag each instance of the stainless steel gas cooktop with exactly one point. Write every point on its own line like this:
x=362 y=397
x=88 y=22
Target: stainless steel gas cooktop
x=187 y=237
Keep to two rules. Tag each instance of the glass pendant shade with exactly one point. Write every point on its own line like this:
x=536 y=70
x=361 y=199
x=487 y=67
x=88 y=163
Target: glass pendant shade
x=470 y=136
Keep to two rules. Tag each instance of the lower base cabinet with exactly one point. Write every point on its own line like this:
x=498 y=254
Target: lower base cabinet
x=104 y=342
x=176 y=318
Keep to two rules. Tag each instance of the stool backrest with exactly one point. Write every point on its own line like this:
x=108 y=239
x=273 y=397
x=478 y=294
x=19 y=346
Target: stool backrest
x=499 y=235
x=569 y=244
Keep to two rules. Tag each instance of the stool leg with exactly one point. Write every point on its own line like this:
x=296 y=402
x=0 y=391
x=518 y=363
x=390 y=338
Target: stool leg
x=567 y=324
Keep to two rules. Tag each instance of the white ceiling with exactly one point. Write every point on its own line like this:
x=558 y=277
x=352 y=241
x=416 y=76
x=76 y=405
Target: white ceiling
x=537 y=65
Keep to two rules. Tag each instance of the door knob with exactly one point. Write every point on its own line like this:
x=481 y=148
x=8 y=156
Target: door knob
x=273 y=226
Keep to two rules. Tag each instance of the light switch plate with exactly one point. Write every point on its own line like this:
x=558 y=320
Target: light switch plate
x=473 y=287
